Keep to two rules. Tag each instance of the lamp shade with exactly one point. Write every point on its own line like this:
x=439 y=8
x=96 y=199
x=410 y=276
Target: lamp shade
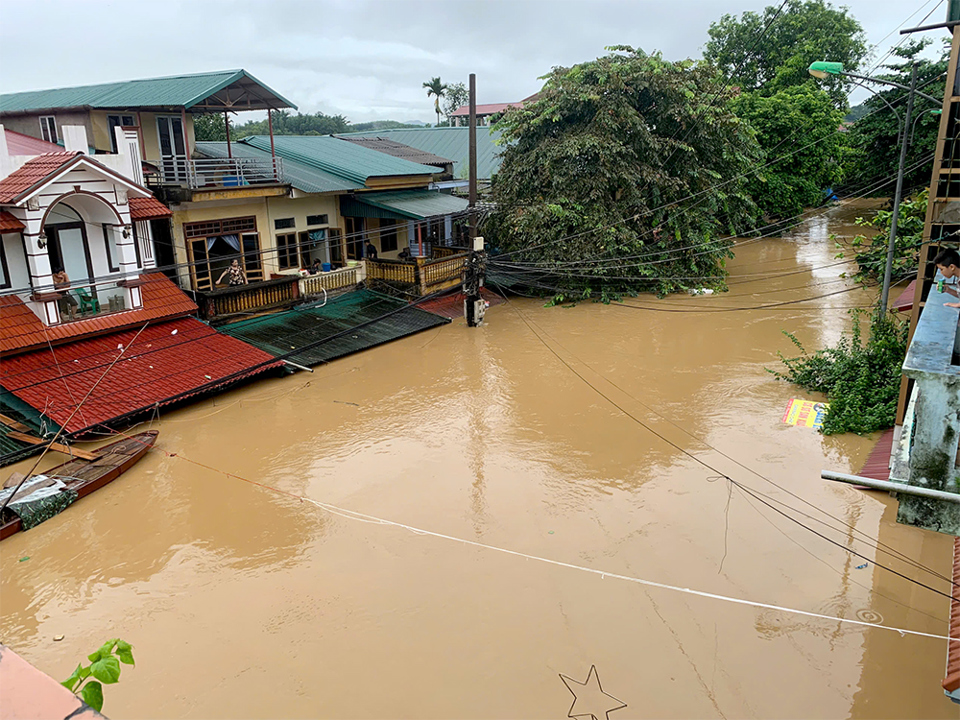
x=821 y=69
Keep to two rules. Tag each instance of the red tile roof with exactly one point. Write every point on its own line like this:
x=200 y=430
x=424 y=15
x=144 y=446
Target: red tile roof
x=167 y=362
x=877 y=465
x=32 y=173
x=21 y=330
x=20 y=144
x=148 y=208
x=951 y=682
x=8 y=223
x=451 y=306
x=904 y=300
x=464 y=110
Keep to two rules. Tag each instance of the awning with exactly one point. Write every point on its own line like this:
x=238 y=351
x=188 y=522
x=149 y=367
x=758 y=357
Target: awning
x=9 y=224
x=401 y=205
x=168 y=362
x=148 y=208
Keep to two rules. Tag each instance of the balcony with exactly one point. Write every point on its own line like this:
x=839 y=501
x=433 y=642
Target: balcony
x=419 y=276
x=206 y=173
x=927 y=453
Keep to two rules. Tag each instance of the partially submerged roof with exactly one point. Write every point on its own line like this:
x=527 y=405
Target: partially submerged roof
x=355 y=321
x=396 y=149
x=301 y=176
x=406 y=204
x=447 y=142
x=154 y=370
x=333 y=155
x=214 y=91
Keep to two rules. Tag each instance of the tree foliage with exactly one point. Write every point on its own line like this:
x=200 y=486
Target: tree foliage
x=875 y=137
x=209 y=127
x=771 y=52
x=871 y=253
x=456 y=95
x=437 y=89
x=601 y=167
x=286 y=124
x=803 y=152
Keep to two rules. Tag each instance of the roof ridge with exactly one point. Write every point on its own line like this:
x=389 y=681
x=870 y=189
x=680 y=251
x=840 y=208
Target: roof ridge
x=122 y=82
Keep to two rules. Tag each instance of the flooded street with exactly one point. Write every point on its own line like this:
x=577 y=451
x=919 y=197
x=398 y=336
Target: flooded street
x=241 y=601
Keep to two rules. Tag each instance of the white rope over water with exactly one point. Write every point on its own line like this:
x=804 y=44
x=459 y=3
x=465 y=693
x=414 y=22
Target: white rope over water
x=362 y=517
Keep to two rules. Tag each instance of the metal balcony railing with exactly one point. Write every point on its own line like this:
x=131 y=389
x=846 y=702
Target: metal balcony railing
x=220 y=172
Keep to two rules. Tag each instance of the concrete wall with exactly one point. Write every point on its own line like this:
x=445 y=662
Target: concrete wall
x=16 y=260
x=30 y=124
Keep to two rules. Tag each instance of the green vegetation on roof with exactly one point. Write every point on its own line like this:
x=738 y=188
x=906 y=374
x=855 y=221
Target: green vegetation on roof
x=329 y=153
x=449 y=142
x=185 y=91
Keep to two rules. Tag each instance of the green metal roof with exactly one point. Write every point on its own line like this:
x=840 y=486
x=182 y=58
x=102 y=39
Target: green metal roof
x=410 y=204
x=310 y=335
x=329 y=153
x=303 y=177
x=236 y=89
x=450 y=142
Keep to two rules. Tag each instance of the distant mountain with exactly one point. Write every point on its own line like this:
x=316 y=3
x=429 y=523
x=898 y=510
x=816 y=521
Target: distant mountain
x=856 y=113
x=384 y=125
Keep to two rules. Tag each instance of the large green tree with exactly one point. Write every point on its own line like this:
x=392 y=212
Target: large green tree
x=797 y=128
x=624 y=167
x=771 y=51
x=875 y=137
x=455 y=96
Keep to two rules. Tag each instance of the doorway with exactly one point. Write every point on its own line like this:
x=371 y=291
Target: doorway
x=173 y=148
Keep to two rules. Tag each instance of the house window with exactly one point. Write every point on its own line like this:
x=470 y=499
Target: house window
x=284 y=223
x=317 y=220
x=48 y=128
x=214 y=244
x=113 y=253
x=388 y=235
x=287 y=255
x=4 y=270
x=115 y=121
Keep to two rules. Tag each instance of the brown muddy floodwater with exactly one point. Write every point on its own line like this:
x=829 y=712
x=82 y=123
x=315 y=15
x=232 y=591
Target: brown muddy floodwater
x=242 y=602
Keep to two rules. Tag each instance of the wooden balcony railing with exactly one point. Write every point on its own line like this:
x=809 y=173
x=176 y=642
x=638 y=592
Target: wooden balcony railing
x=271 y=294
x=336 y=280
x=442 y=251
x=423 y=276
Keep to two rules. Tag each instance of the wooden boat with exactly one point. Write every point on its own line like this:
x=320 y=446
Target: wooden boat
x=82 y=476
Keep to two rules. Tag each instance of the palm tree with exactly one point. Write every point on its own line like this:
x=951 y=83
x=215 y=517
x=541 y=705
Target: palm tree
x=438 y=90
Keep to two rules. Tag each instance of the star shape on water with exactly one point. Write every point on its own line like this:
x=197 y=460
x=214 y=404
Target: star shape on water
x=589 y=699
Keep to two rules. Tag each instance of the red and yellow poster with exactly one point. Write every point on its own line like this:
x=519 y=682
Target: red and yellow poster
x=806 y=413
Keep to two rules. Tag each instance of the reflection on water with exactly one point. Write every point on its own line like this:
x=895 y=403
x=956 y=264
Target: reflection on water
x=227 y=589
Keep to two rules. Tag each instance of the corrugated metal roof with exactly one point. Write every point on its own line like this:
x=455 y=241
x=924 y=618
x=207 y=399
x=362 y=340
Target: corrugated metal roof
x=175 y=91
x=303 y=177
x=392 y=147
x=414 y=204
x=22 y=330
x=20 y=144
x=346 y=324
x=449 y=142
x=167 y=362
x=329 y=153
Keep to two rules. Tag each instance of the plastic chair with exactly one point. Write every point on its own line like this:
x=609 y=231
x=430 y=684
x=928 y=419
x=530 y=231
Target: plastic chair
x=87 y=301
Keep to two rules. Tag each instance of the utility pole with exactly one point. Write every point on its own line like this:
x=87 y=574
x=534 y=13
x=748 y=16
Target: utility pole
x=473 y=304
x=892 y=247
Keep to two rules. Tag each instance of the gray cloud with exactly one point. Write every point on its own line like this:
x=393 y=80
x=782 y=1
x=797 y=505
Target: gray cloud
x=364 y=59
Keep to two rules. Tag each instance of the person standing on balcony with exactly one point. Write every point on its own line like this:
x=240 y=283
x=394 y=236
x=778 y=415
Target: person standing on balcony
x=67 y=303
x=234 y=274
x=370 y=251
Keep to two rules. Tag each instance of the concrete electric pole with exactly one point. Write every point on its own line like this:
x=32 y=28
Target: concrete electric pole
x=473 y=271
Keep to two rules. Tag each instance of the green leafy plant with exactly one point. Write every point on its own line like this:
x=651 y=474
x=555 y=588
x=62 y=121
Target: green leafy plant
x=861 y=379
x=871 y=253
x=104 y=669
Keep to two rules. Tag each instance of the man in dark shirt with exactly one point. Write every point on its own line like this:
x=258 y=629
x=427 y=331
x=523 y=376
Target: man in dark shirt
x=369 y=251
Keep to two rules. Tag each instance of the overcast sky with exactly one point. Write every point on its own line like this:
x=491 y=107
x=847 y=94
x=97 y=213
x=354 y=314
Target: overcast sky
x=368 y=60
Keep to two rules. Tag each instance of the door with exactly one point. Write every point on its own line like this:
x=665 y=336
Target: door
x=354 y=228
x=67 y=246
x=173 y=149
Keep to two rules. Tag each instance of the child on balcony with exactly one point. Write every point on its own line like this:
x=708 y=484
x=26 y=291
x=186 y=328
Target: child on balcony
x=67 y=303
x=948 y=263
